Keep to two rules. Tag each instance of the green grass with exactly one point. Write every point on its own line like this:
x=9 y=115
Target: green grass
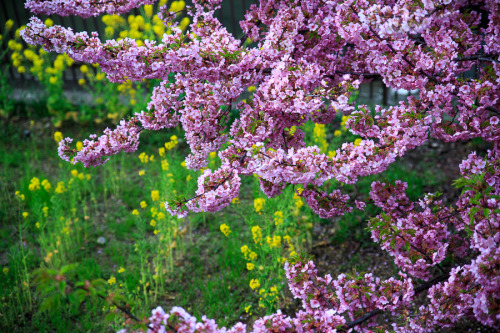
x=168 y=262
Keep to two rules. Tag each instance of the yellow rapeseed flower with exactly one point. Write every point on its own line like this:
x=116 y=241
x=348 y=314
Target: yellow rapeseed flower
x=53 y=80
x=155 y=195
x=164 y=165
x=258 y=204
x=46 y=185
x=9 y=24
x=60 y=188
x=143 y=204
x=235 y=200
x=225 y=229
x=135 y=212
x=121 y=270
x=81 y=82
x=84 y=69
x=278 y=218
x=79 y=145
x=48 y=22
x=257 y=234
x=112 y=280
x=142 y=172
x=34 y=184
x=337 y=133
x=152 y=223
x=58 y=136
x=250 y=266
x=161 y=151
x=254 y=284
x=357 y=142
x=252 y=255
x=25 y=214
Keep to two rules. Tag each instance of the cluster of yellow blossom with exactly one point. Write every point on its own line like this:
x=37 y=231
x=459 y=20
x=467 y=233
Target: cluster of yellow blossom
x=19 y=195
x=278 y=218
x=225 y=229
x=257 y=234
x=275 y=241
x=249 y=254
x=172 y=143
x=155 y=195
x=270 y=297
x=145 y=158
x=58 y=136
x=60 y=188
x=79 y=175
x=320 y=137
x=254 y=284
x=258 y=204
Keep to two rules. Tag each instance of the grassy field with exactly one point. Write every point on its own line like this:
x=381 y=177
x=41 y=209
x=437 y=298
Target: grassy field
x=81 y=244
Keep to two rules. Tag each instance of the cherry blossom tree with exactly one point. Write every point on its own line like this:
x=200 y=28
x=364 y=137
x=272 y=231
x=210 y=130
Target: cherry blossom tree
x=306 y=59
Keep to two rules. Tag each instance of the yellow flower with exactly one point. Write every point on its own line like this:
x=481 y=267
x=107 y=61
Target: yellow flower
x=142 y=172
x=79 y=145
x=148 y=10
x=156 y=232
x=100 y=76
x=161 y=151
x=84 y=69
x=45 y=211
x=155 y=195
x=225 y=229
x=144 y=157
x=250 y=266
x=235 y=200
x=81 y=82
x=258 y=204
x=161 y=216
x=247 y=308
x=58 y=136
x=37 y=225
x=164 y=165
x=34 y=184
x=143 y=204
x=188 y=178
x=121 y=270
x=278 y=218
x=9 y=24
x=245 y=250
x=254 y=284
x=5 y=270
x=46 y=185
x=357 y=142
x=112 y=280
x=135 y=212
x=257 y=234
x=252 y=255
x=213 y=155
x=53 y=80
x=109 y=31
x=48 y=22
x=183 y=164
x=74 y=173
x=20 y=69
x=152 y=223
x=25 y=214
x=251 y=89
x=60 y=188
x=332 y=154
x=337 y=133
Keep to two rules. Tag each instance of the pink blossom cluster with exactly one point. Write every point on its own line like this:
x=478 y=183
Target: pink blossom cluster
x=83 y=8
x=306 y=61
